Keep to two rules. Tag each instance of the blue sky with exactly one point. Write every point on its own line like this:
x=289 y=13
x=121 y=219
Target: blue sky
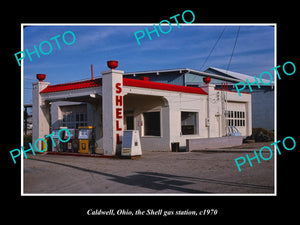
x=184 y=47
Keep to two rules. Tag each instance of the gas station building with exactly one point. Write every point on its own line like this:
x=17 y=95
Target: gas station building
x=161 y=113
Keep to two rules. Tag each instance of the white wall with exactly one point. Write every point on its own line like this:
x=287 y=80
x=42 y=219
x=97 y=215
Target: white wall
x=179 y=102
x=170 y=107
x=139 y=104
x=40 y=113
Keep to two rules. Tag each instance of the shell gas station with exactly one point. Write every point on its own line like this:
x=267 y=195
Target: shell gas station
x=112 y=115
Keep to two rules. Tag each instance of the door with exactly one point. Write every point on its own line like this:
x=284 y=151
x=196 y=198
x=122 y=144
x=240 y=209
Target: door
x=129 y=123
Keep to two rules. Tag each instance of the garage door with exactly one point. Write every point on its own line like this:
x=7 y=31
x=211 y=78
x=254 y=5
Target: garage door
x=236 y=116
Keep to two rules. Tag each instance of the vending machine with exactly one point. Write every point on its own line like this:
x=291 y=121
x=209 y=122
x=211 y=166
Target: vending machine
x=86 y=136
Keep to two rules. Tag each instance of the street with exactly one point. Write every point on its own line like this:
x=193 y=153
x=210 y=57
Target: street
x=153 y=173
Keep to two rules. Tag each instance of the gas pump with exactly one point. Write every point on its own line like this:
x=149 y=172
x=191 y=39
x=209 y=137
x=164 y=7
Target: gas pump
x=75 y=142
x=56 y=147
x=49 y=144
x=63 y=146
x=86 y=136
x=69 y=146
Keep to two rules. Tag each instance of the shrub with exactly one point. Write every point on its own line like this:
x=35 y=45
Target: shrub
x=261 y=135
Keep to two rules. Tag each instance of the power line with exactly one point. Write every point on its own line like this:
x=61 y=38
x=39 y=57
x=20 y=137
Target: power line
x=213 y=48
x=233 y=49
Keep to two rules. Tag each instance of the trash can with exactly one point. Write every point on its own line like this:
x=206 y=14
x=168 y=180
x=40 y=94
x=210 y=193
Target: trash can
x=175 y=146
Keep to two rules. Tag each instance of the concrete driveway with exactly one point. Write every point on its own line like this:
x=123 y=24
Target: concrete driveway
x=153 y=173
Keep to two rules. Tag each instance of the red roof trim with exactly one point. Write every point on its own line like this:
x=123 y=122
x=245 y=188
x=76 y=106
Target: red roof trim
x=162 y=86
x=72 y=86
x=126 y=82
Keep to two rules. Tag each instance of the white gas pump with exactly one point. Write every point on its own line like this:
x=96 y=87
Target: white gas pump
x=70 y=142
x=56 y=140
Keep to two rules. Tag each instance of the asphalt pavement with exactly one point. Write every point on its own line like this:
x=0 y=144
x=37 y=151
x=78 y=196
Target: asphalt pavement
x=153 y=173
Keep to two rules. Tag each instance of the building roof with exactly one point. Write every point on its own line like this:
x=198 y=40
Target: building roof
x=221 y=74
x=158 y=72
x=126 y=82
x=162 y=86
x=73 y=85
x=239 y=76
x=182 y=71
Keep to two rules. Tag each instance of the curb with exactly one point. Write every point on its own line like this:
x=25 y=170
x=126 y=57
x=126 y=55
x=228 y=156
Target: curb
x=82 y=154
x=230 y=150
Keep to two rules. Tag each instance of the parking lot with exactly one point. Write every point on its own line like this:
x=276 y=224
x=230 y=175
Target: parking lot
x=153 y=173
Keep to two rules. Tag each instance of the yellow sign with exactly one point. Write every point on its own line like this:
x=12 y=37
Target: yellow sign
x=125 y=150
x=83 y=146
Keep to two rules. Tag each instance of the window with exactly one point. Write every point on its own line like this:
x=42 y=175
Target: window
x=188 y=123
x=74 y=120
x=235 y=118
x=152 y=123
